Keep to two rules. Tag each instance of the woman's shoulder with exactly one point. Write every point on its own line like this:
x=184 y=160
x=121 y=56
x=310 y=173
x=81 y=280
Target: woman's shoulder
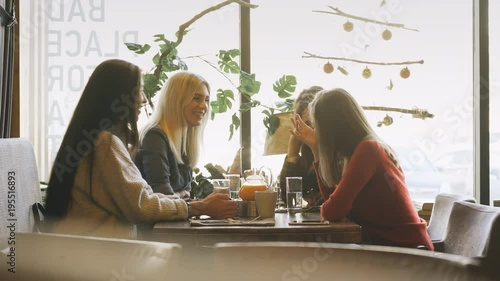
x=106 y=139
x=369 y=146
x=155 y=132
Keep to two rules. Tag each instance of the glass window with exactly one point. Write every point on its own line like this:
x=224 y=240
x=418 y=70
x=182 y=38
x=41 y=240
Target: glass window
x=442 y=85
x=63 y=41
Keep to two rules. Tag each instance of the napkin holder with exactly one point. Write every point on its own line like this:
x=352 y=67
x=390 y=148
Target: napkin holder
x=246 y=209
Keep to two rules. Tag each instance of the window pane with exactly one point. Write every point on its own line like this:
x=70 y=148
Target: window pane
x=436 y=153
x=494 y=26
x=65 y=40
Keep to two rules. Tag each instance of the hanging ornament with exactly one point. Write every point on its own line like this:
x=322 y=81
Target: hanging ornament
x=348 y=26
x=405 y=73
x=367 y=73
x=386 y=121
x=387 y=35
x=391 y=85
x=342 y=70
x=328 y=68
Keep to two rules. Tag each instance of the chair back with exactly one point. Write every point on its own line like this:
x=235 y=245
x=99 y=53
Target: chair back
x=326 y=261
x=469 y=231
x=42 y=256
x=20 y=187
x=441 y=213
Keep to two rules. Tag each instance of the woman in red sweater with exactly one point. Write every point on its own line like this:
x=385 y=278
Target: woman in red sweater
x=358 y=174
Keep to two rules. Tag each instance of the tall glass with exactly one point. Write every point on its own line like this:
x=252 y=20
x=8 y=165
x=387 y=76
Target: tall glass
x=294 y=194
x=234 y=185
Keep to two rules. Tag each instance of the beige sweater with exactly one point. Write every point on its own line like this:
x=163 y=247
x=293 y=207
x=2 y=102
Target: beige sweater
x=120 y=196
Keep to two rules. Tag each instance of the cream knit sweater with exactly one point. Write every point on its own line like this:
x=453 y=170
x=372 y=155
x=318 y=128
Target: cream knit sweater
x=120 y=196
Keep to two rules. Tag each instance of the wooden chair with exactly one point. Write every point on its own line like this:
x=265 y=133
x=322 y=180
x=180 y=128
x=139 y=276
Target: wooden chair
x=441 y=213
x=67 y=257
x=330 y=261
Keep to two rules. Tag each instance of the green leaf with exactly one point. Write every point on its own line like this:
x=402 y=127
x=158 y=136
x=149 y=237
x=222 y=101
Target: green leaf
x=138 y=48
x=161 y=37
x=248 y=84
x=285 y=106
x=268 y=112
x=156 y=59
x=246 y=106
x=234 y=126
x=183 y=33
x=223 y=101
x=272 y=123
x=236 y=121
x=228 y=55
x=229 y=66
x=215 y=107
x=151 y=85
x=285 y=86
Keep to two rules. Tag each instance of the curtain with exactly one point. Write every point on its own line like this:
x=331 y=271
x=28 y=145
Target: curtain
x=7 y=23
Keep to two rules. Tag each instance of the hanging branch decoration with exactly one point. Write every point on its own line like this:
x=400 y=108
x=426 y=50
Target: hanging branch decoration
x=416 y=112
x=311 y=55
x=338 y=12
x=167 y=60
x=182 y=28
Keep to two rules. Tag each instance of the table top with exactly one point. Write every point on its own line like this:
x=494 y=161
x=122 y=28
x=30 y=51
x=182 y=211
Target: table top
x=281 y=225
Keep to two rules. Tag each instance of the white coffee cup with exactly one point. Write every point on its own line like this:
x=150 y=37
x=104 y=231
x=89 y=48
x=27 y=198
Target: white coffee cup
x=266 y=203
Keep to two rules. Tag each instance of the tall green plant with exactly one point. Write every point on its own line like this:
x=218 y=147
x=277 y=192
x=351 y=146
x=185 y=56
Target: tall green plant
x=166 y=60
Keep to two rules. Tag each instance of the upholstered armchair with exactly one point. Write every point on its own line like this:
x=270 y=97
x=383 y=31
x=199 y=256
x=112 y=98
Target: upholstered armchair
x=20 y=187
x=441 y=213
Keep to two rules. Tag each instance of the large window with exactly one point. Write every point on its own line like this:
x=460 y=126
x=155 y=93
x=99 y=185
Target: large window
x=436 y=153
x=63 y=40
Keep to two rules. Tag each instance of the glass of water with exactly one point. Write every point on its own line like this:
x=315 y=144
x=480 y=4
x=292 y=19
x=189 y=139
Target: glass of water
x=234 y=185
x=294 y=194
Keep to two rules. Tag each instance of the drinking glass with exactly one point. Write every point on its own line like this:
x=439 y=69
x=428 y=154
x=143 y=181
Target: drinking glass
x=234 y=185
x=294 y=194
x=221 y=186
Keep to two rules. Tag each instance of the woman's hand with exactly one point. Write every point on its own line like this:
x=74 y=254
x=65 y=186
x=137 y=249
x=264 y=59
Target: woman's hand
x=215 y=205
x=304 y=133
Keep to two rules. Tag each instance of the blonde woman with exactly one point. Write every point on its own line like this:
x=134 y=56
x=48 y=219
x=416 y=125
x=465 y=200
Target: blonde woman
x=371 y=188
x=170 y=143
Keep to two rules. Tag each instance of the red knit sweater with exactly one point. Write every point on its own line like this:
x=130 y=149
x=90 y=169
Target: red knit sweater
x=373 y=193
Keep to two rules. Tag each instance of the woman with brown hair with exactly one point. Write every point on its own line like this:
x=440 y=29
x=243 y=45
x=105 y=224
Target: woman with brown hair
x=299 y=159
x=369 y=187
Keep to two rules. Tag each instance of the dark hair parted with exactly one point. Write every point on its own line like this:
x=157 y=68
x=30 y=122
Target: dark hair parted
x=109 y=102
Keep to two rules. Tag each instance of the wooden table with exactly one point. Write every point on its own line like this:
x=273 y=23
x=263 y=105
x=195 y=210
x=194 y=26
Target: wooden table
x=181 y=232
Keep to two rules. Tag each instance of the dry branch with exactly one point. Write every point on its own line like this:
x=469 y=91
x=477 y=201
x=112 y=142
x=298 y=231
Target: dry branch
x=338 y=12
x=310 y=55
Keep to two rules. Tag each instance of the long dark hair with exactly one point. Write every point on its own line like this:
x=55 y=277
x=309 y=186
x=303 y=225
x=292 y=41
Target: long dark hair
x=109 y=102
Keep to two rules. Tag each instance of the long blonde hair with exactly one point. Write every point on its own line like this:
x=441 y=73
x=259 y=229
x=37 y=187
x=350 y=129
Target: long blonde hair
x=185 y=141
x=340 y=125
